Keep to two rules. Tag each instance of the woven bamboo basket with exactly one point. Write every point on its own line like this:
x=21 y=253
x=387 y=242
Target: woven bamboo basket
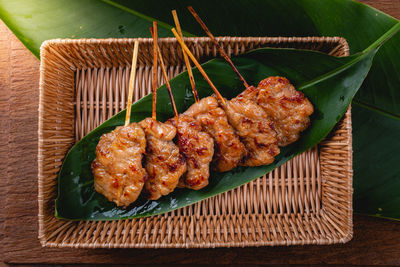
x=308 y=200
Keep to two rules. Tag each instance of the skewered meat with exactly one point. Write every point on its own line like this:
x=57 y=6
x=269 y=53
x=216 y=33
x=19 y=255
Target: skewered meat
x=198 y=149
x=255 y=130
x=164 y=164
x=229 y=150
x=117 y=169
x=288 y=109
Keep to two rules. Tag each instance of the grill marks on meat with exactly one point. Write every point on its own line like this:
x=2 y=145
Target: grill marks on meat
x=198 y=149
x=117 y=169
x=255 y=130
x=163 y=162
x=229 y=150
x=247 y=131
x=288 y=108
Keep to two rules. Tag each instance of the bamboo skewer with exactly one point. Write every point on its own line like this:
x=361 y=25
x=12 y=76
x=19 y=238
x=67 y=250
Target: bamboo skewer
x=166 y=78
x=185 y=57
x=131 y=82
x=220 y=49
x=198 y=66
x=154 y=31
x=129 y=104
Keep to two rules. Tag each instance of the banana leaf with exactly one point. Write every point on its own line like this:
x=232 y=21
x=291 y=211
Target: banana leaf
x=375 y=155
x=379 y=97
x=329 y=82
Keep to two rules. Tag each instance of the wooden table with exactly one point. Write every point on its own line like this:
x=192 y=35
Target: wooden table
x=376 y=241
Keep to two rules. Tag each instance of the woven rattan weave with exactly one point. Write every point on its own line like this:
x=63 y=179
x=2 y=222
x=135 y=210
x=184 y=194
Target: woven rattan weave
x=308 y=200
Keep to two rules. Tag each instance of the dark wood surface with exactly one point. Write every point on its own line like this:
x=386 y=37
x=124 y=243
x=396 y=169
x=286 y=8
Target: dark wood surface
x=376 y=241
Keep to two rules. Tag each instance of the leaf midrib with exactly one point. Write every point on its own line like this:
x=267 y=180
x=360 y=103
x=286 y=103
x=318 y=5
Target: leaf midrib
x=332 y=73
x=375 y=109
x=357 y=57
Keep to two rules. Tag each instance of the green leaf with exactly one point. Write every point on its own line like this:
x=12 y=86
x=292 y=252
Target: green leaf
x=34 y=21
x=358 y=23
x=378 y=192
x=329 y=82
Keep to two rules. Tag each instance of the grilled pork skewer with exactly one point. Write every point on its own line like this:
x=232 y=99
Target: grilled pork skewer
x=163 y=162
x=197 y=146
x=288 y=108
x=117 y=168
x=248 y=119
x=229 y=150
x=255 y=130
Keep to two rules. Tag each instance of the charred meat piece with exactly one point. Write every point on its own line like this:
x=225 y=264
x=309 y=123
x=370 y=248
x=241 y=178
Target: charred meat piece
x=229 y=150
x=288 y=108
x=198 y=148
x=117 y=169
x=163 y=162
x=254 y=129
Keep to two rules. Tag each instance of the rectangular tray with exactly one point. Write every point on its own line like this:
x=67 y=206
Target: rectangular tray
x=83 y=82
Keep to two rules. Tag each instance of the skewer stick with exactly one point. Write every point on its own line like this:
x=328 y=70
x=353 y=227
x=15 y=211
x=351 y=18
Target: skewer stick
x=185 y=57
x=166 y=78
x=154 y=30
x=129 y=107
x=198 y=66
x=131 y=82
x=220 y=49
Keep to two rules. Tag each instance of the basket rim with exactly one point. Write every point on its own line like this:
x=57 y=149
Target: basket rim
x=338 y=39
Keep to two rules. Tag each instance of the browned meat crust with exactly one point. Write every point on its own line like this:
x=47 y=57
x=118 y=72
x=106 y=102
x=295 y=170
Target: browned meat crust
x=229 y=150
x=247 y=131
x=163 y=162
x=254 y=129
x=117 y=169
x=288 y=109
x=198 y=149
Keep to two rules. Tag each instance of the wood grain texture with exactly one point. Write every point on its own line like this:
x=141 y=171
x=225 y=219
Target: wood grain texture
x=391 y=7
x=4 y=118
x=376 y=241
